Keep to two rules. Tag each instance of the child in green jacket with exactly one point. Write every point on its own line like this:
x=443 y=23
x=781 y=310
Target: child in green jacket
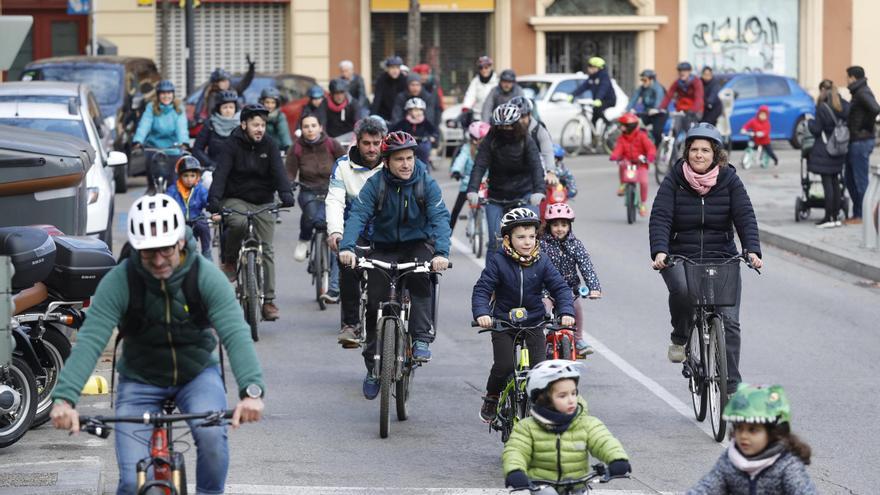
x=556 y=441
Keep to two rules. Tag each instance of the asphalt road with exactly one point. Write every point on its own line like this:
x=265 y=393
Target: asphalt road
x=807 y=327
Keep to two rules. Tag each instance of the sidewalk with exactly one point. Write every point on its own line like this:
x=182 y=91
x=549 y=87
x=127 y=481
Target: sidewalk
x=773 y=192
x=61 y=477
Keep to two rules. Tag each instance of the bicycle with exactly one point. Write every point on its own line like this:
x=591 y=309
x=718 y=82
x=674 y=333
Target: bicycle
x=249 y=269
x=168 y=465
x=319 y=256
x=670 y=146
x=576 y=486
x=711 y=285
x=475 y=230
x=393 y=363
x=579 y=133
x=158 y=164
x=754 y=153
x=630 y=178
x=561 y=342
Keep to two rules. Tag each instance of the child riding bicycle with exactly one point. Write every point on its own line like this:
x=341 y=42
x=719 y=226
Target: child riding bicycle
x=517 y=275
x=634 y=146
x=192 y=197
x=758 y=128
x=464 y=163
x=557 y=439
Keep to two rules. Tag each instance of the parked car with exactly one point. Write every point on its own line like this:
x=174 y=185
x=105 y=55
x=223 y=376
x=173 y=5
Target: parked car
x=71 y=109
x=293 y=88
x=119 y=85
x=554 y=106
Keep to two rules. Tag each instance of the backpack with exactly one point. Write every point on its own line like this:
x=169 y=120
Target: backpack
x=298 y=149
x=418 y=190
x=838 y=143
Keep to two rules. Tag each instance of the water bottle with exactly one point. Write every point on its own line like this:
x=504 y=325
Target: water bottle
x=583 y=291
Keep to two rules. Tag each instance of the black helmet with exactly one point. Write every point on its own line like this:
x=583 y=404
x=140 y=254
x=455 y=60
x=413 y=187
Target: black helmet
x=253 y=110
x=524 y=104
x=684 y=66
x=649 y=73
x=508 y=75
x=393 y=60
x=165 y=86
x=188 y=163
x=227 y=96
x=705 y=130
x=506 y=114
x=271 y=92
x=338 y=85
x=219 y=75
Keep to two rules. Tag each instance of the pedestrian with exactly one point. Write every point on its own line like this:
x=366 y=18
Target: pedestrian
x=192 y=196
x=478 y=90
x=711 y=103
x=414 y=89
x=862 y=112
x=386 y=88
x=759 y=129
x=599 y=85
x=431 y=84
x=341 y=109
x=506 y=90
x=764 y=456
x=276 y=126
x=221 y=80
x=830 y=108
x=315 y=106
x=463 y=164
x=356 y=87
x=645 y=102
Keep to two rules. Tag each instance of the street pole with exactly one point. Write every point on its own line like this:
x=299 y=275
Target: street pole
x=190 y=48
x=94 y=40
x=413 y=33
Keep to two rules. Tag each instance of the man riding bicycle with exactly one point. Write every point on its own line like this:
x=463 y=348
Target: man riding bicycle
x=249 y=172
x=687 y=92
x=168 y=351
x=645 y=102
x=410 y=221
x=599 y=85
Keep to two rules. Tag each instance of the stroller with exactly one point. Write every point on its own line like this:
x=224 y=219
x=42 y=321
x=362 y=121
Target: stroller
x=812 y=193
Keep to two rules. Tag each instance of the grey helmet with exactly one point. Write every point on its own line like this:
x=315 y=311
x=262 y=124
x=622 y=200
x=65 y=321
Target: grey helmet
x=705 y=130
x=414 y=103
x=506 y=114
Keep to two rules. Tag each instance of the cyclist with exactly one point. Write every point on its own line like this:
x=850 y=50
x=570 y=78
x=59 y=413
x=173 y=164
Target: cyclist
x=224 y=119
x=414 y=89
x=645 y=102
x=697 y=207
x=191 y=196
x=510 y=158
x=599 y=85
x=506 y=90
x=540 y=135
x=388 y=85
x=687 y=92
x=167 y=353
x=517 y=276
x=634 y=146
x=249 y=173
x=558 y=438
x=464 y=163
x=349 y=175
x=276 y=126
x=310 y=163
x=341 y=109
x=431 y=83
x=405 y=227
x=163 y=125
x=315 y=105
x=221 y=80
x=765 y=456
x=417 y=124
x=479 y=88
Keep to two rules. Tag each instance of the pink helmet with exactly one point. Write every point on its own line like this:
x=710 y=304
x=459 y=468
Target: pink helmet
x=558 y=211
x=478 y=130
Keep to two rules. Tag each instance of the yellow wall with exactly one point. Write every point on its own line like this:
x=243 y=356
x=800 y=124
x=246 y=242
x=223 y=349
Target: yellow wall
x=131 y=28
x=864 y=37
x=309 y=52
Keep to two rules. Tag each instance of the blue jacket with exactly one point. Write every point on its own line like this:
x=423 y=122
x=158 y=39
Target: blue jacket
x=463 y=164
x=599 y=84
x=198 y=199
x=401 y=218
x=517 y=286
x=648 y=98
x=166 y=130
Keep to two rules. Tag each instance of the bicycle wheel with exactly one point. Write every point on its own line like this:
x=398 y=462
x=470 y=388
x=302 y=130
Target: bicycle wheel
x=573 y=136
x=386 y=378
x=630 y=198
x=505 y=414
x=319 y=267
x=15 y=424
x=696 y=383
x=746 y=161
x=252 y=301
x=401 y=392
x=57 y=350
x=717 y=378
x=661 y=163
x=566 y=349
x=477 y=240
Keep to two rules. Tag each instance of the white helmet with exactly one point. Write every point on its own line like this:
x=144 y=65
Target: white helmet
x=547 y=372
x=414 y=103
x=155 y=221
x=518 y=217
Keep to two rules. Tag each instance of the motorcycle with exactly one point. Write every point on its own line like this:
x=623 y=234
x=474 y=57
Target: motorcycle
x=18 y=392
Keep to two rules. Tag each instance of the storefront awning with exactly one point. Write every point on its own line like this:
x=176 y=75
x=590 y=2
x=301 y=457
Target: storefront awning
x=598 y=23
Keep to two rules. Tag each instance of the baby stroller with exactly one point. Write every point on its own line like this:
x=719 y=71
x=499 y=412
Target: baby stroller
x=812 y=193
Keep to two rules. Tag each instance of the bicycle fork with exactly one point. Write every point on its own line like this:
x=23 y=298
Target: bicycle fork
x=168 y=468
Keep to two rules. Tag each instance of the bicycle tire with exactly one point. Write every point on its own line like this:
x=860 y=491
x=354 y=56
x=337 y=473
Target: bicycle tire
x=252 y=303
x=572 y=137
x=507 y=412
x=57 y=350
x=746 y=161
x=661 y=163
x=22 y=379
x=566 y=350
x=319 y=267
x=386 y=376
x=630 y=198
x=717 y=381
x=696 y=382
x=401 y=393
x=479 y=243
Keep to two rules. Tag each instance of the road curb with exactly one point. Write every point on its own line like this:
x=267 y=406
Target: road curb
x=79 y=477
x=826 y=254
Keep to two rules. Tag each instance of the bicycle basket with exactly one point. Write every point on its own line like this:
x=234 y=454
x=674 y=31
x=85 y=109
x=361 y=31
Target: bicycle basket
x=712 y=284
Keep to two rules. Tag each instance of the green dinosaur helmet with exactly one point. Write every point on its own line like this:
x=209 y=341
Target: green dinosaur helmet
x=758 y=404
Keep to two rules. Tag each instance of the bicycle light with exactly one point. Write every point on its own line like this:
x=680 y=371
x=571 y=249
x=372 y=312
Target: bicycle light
x=518 y=315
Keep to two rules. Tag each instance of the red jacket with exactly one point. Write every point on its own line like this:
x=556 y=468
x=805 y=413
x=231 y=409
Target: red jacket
x=688 y=95
x=762 y=126
x=630 y=146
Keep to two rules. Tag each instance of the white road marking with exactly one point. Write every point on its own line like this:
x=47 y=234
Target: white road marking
x=242 y=489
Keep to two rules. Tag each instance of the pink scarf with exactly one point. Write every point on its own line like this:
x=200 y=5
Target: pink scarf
x=702 y=183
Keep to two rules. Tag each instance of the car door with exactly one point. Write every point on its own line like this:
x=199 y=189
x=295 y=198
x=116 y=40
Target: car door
x=556 y=108
x=745 y=105
x=776 y=94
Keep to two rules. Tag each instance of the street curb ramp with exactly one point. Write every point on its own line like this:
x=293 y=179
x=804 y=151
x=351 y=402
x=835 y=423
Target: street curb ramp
x=825 y=254
x=63 y=477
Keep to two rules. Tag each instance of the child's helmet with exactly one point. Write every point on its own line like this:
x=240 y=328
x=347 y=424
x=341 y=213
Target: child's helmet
x=518 y=217
x=316 y=92
x=558 y=151
x=629 y=121
x=558 y=211
x=546 y=372
x=416 y=103
x=758 y=404
x=188 y=163
x=478 y=130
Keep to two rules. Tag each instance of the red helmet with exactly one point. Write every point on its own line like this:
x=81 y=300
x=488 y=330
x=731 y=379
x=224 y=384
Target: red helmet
x=628 y=118
x=557 y=211
x=397 y=141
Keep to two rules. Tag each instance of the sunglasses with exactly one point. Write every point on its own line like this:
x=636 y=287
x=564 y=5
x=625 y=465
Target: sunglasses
x=165 y=252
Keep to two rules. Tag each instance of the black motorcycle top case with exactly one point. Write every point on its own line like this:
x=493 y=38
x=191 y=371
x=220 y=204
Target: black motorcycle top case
x=80 y=263
x=32 y=251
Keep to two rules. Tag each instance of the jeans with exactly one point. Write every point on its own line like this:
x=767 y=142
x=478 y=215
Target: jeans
x=494 y=212
x=349 y=285
x=768 y=148
x=202 y=231
x=235 y=228
x=857 y=172
x=505 y=361
x=682 y=316
x=203 y=394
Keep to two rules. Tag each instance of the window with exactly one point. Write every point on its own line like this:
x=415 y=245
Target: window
x=536 y=90
x=591 y=7
x=745 y=87
x=70 y=127
x=567 y=86
x=773 y=86
x=104 y=81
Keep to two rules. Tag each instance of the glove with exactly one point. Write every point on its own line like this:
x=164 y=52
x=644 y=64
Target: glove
x=619 y=467
x=287 y=200
x=456 y=175
x=473 y=198
x=536 y=198
x=643 y=159
x=597 y=103
x=517 y=479
x=213 y=207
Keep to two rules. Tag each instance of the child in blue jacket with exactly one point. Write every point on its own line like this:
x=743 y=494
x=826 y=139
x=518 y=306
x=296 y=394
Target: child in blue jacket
x=192 y=197
x=517 y=275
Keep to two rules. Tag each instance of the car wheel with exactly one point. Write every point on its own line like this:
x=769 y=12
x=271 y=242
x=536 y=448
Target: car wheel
x=794 y=141
x=120 y=176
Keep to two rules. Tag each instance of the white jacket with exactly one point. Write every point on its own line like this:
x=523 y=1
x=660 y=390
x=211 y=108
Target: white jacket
x=476 y=94
x=346 y=182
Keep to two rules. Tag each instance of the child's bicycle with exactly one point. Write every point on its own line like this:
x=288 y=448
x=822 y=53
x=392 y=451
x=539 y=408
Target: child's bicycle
x=476 y=222
x=561 y=341
x=165 y=462
x=754 y=153
x=576 y=486
x=630 y=178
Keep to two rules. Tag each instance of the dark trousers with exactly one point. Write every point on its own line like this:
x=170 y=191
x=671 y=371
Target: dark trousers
x=857 y=172
x=768 y=148
x=350 y=288
x=313 y=212
x=456 y=208
x=202 y=231
x=505 y=361
x=682 y=316
x=419 y=286
x=831 y=186
x=657 y=122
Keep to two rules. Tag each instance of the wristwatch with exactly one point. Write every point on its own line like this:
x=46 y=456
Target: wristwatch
x=253 y=391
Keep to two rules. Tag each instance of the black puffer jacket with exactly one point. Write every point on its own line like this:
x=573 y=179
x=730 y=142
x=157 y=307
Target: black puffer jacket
x=863 y=110
x=208 y=146
x=514 y=168
x=820 y=162
x=249 y=171
x=385 y=92
x=685 y=223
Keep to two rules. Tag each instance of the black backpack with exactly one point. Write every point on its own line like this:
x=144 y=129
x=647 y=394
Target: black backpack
x=418 y=190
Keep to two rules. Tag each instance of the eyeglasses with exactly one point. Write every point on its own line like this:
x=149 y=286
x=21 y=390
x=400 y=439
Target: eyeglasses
x=165 y=252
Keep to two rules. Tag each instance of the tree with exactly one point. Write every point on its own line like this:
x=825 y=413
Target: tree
x=413 y=33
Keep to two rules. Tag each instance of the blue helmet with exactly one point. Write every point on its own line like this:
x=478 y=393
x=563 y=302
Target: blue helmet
x=558 y=151
x=393 y=60
x=219 y=75
x=165 y=86
x=316 y=92
x=685 y=65
x=705 y=130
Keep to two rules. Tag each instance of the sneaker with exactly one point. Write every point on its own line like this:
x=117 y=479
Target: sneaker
x=827 y=224
x=302 y=251
x=643 y=210
x=489 y=408
x=583 y=348
x=270 y=311
x=330 y=297
x=349 y=337
x=421 y=351
x=675 y=354
x=621 y=189
x=371 y=387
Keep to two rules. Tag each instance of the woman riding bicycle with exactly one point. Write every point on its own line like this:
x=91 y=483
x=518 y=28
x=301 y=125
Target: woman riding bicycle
x=224 y=119
x=463 y=164
x=697 y=208
x=163 y=125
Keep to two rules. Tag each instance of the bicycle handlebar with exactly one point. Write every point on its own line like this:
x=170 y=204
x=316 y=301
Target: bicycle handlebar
x=499 y=325
x=672 y=259
x=271 y=208
x=413 y=266
x=97 y=425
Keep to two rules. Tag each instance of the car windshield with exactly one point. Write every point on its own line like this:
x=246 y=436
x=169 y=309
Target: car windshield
x=105 y=82
x=73 y=128
x=535 y=90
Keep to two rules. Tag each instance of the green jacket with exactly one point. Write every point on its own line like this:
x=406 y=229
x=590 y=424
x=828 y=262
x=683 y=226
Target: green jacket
x=170 y=350
x=545 y=455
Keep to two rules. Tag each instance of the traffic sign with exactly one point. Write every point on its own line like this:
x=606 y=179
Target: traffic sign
x=79 y=7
